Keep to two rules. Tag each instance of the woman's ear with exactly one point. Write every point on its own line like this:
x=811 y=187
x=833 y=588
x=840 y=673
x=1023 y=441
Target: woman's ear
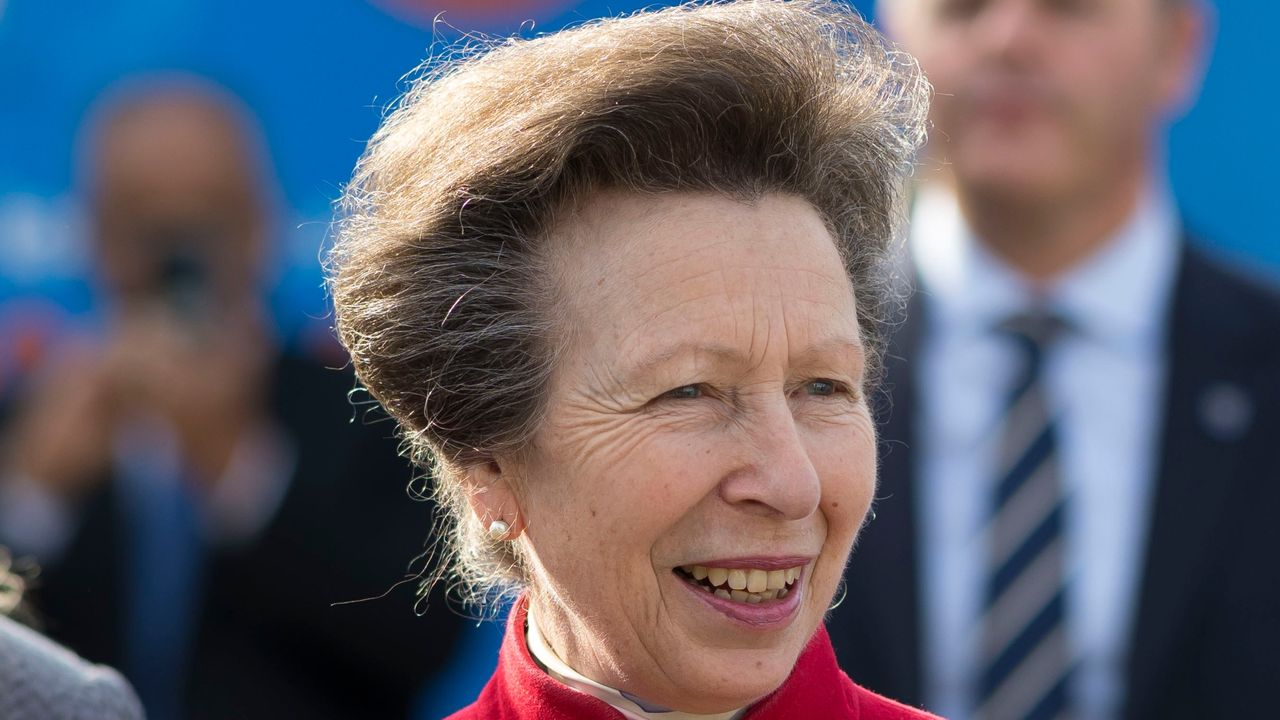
x=491 y=493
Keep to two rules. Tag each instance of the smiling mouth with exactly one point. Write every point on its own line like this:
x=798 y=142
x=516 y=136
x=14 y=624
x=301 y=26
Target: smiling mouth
x=751 y=586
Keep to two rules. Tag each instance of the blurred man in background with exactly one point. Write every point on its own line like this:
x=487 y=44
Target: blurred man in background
x=1080 y=472
x=198 y=498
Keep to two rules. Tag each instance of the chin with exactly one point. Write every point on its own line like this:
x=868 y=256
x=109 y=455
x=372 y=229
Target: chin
x=737 y=678
x=748 y=684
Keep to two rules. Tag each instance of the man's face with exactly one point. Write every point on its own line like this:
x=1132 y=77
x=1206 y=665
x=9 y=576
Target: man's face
x=177 y=214
x=1047 y=98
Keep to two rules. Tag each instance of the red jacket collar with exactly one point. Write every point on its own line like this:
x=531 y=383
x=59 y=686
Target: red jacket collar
x=521 y=690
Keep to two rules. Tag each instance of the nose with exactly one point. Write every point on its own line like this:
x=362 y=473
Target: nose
x=1007 y=29
x=777 y=477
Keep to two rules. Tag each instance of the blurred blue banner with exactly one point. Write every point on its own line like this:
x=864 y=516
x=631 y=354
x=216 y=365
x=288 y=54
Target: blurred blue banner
x=318 y=75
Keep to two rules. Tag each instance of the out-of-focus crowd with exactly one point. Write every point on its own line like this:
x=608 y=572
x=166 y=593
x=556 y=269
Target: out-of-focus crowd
x=207 y=511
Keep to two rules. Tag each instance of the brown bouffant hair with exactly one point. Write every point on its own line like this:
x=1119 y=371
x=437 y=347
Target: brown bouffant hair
x=440 y=271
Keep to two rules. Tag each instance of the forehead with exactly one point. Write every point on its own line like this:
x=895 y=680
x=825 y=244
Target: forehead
x=636 y=270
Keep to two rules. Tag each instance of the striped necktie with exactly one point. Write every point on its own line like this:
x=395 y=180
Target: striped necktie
x=1025 y=660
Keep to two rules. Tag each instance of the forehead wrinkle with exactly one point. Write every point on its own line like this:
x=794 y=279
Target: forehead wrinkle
x=626 y=281
x=643 y=327
x=610 y=293
x=726 y=289
x=763 y=312
x=760 y=314
x=738 y=262
x=755 y=356
x=587 y=233
x=798 y=346
x=655 y=265
x=621 y=261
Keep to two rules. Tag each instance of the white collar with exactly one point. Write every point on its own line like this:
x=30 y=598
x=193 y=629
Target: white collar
x=1116 y=296
x=628 y=706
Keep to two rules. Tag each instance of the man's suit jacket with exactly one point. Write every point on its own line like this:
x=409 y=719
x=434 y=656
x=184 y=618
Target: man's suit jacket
x=1205 y=640
x=40 y=680
x=268 y=641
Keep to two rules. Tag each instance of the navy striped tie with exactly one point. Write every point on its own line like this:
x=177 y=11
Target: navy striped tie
x=1025 y=662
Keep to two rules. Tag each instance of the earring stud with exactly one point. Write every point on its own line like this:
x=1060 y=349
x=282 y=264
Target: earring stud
x=498 y=530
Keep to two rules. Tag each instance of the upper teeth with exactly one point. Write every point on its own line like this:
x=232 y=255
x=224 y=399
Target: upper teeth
x=744 y=584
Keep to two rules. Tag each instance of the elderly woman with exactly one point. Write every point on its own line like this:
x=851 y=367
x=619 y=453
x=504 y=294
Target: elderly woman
x=620 y=287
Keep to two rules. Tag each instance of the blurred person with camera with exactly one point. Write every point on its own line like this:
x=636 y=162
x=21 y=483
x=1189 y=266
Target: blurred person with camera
x=196 y=495
x=1079 y=468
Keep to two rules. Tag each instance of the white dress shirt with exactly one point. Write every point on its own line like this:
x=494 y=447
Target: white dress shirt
x=1104 y=382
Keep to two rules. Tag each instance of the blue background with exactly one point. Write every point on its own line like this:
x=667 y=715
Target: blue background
x=319 y=73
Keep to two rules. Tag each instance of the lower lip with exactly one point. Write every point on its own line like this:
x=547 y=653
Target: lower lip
x=766 y=615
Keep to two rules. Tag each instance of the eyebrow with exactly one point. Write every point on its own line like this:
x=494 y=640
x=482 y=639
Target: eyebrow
x=837 y=344
x=652 y=361
x=727 y=354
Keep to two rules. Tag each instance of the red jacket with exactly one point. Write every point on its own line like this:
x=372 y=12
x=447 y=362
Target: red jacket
x=817 y=689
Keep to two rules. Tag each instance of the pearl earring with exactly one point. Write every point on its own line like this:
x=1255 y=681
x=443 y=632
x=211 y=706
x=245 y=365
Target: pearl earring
x=498 y=530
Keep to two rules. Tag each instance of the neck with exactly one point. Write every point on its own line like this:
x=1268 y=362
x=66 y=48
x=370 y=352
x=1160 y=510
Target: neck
x=630 y=706
x=1044 y=237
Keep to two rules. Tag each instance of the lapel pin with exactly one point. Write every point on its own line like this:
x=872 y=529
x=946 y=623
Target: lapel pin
x=1226 y=411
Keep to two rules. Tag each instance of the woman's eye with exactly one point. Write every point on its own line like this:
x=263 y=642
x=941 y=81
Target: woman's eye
x=821 y=387
x=684 y=392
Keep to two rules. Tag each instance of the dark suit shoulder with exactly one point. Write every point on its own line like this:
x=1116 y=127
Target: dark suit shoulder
x=1243 y=306
x=1205 y=630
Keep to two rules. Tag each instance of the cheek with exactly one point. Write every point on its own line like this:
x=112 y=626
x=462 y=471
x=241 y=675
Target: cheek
x=618 y=502
x=848 y=472
x=1123 y=99
x=620 y=482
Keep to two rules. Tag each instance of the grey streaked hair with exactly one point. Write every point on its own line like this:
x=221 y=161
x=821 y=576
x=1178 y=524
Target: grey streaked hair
x=439 y=269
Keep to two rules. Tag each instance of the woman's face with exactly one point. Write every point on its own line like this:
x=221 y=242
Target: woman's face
x=706 y=425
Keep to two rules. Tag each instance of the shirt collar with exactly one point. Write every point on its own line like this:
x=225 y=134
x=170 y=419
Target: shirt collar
x=1115 y=296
